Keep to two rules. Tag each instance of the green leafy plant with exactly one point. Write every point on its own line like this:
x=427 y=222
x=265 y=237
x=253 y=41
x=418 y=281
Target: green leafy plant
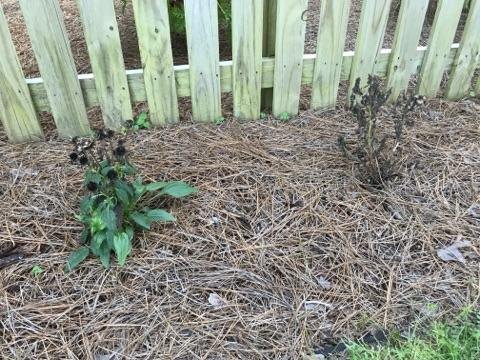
x=219 y=120
x=141 y=122
x=115 y=206
x=285 y=116
x=37 y=270
x=376 y=160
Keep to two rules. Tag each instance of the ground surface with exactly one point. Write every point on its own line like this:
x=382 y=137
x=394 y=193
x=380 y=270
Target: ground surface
x=299 y=250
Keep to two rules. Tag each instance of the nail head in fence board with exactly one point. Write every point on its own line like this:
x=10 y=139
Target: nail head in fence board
x=269 y=31
x=247 y=57
x=48 y=35
x=289 y=47
x=405 y=45
x=468 y=56
x=373 y=22
x=17 y=112
x=201 y=20
x=153 y=29
x=442 y=35
x=105 y=50
x=182 y=77
x=330 y=44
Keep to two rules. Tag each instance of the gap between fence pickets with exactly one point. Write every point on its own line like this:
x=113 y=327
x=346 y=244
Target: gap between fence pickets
x=182 y=76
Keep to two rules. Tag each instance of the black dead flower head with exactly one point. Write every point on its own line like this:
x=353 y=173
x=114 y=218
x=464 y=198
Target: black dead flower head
x=92 y=186
x=120 y=151
x=112 y=175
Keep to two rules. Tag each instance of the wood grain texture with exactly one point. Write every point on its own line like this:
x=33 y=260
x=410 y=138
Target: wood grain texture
x=49 y=40
x=468 y=56
x=17 y=112
x=330 y=44
x=203 y=54
x=247 y=58
x=441 y=37
x=407 y=35
x=153 y=29
x=182 y=77
x=105 y=50
x=289 y=47
x=373 y=22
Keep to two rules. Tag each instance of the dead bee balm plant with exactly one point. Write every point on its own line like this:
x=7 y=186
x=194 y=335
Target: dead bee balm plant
x=114 y=207
x=377 y=157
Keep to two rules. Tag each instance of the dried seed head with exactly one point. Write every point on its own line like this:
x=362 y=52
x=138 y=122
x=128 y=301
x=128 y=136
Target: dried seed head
x=91 y=186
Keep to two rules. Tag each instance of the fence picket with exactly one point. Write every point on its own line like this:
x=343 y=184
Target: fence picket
x=247 y=57
x=330 y=44
x=373 y=22
x=105 y=50
x=289 y=47
x=48 y=35
x=201 y=19
x=468 y=56
x=17 y=112
x=442 y=35
x=153 y=28
x=407 y=35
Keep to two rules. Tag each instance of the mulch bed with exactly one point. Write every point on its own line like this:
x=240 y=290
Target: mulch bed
x=294 y=249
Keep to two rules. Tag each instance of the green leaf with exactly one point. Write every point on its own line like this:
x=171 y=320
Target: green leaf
x=139 y=187
x=129 y=169
x=122 y=243
x=141 y=220
x=160 y=215
x=178 y=189
x=92 y=176
x=97 y=241
x=76 y=258
x=156 y=186
x=106 y=169
x=36 y=270
x=109 y=218
x=104 y=254
x=86 y=204
x=84 y=235
x=96 y=224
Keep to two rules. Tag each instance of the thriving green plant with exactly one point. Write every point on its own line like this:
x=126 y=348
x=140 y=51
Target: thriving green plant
x=141 y=122
x=115 y=206
x=376 y=161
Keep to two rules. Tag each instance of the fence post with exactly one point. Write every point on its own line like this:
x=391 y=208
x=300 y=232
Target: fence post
x=269 y=35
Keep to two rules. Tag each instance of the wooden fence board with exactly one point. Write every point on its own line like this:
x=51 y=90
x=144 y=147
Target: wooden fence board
x=105 y=50
x=247 y=57
x=48 y=35
x=330 y=44
x=407 y=34
x=442 y=35
x=153 y=29
x=373 y=22
x=468 y=56
x=17 y=112
x=182 y=77
x=203 y=53
x=289 y=47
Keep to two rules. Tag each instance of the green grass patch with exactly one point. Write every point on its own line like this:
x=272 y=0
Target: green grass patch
x=459 y=340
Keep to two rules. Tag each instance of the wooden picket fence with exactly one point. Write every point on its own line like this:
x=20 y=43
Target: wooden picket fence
x=267 y=53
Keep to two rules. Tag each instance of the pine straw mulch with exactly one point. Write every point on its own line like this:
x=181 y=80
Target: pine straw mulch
x=301 y=253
